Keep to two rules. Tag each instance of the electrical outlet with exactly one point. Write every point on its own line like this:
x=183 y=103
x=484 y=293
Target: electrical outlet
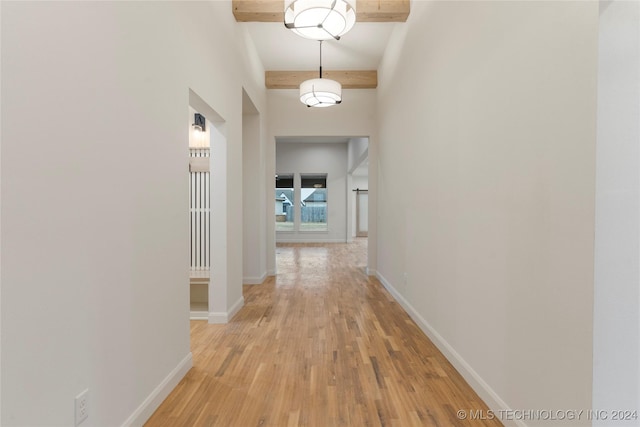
x=82 y=407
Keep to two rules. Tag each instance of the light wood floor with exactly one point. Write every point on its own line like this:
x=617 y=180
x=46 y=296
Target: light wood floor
x=320 y=345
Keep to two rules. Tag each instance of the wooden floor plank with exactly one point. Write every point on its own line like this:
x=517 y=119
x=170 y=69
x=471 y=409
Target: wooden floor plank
x=321 y=344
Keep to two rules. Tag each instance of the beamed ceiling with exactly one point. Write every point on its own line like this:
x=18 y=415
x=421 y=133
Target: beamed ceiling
x=289 y=59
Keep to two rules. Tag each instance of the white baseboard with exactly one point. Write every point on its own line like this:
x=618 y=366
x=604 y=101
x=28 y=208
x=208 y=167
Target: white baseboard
x=306 y=240
x=372 y=272
x=157 y=396
x=235 y=308
x=254 y=280
x=486 y=393
x=199 y=315
x=271 y=272
x=218 y=317
x=224 y=317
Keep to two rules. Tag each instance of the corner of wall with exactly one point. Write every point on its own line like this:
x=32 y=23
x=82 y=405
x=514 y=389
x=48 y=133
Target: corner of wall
x=225 y=317
x=157 y=396
x=255 y=280
x=0 y=232
x=479 y=385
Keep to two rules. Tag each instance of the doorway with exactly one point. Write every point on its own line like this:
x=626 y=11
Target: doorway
x=199 y=214
x=208 y=218
x=297 y=157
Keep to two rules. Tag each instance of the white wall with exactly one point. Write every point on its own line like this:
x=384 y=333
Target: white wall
x=356 y=116
x=0 y=226
x=486 y=169
x=616 y=341
x=317 y=158
x=254 y=215
x=94 y=198
x=358 y=148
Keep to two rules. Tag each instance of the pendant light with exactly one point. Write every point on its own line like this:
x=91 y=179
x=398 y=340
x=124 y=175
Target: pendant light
x=320 y=19
x=320 y=92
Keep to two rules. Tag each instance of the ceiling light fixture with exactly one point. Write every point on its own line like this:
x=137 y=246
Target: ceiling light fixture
x=320 y=19
x=320 y=92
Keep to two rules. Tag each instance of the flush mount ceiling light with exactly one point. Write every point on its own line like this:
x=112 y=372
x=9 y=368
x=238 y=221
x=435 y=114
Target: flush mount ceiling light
x=320 y=92
x=320 y=19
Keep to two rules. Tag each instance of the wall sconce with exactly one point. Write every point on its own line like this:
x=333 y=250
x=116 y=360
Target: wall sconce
x=199 y=123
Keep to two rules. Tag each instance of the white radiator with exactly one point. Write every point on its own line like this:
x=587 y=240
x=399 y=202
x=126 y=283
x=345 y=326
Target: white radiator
x=200 y=211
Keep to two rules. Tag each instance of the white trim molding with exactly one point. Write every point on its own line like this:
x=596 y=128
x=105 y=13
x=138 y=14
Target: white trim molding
x=157 y=396
x=235 y=308
x=255 y=280
x=199 y=315
x=486 y=393
x=224 y=317
x=306 y=240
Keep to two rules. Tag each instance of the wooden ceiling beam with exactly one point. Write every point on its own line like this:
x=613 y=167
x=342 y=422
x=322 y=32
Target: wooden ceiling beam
x=382 y=10
x=349 y=79
x=366 y=10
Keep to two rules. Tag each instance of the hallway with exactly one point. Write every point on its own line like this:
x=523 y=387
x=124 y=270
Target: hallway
x=319 y=345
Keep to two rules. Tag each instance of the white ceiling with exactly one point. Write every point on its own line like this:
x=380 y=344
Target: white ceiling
x=360 y=49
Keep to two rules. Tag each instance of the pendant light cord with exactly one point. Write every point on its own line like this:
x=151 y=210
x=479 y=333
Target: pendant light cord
x=320 y=58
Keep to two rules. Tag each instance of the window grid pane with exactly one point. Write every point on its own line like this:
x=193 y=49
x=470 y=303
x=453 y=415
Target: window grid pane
x=313 y=206
x=284 y=202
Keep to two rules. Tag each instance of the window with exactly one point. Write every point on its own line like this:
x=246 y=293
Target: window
x=313 y=202
x=285 y=199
